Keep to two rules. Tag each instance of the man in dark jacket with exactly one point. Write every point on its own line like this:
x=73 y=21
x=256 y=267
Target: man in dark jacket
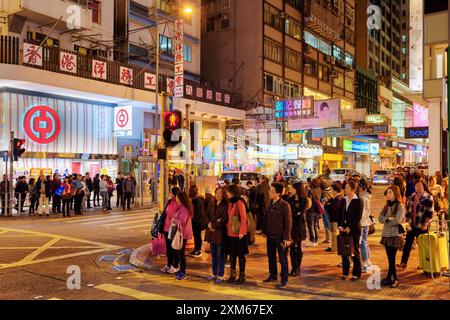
x=97 y=190
x=119 y=190
x=21 y=193
x=54 y=185
x=251 y=195
x=262 y=201
x=44 y=192
x=277 y=229
x=128 y=191
x=4 y=186
x=90 y=188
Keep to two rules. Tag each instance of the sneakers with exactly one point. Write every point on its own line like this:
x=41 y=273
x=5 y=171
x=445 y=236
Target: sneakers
x=283 y=285
x=269 y=279
x=165 y=269
x=172 y=270
x=181 y=276
x=394 y=284
x=196 y=254
x=219 y=280
x=401 y=266
x=211 y=278
x=326 y=241
x=355 y=278
x=311 y=244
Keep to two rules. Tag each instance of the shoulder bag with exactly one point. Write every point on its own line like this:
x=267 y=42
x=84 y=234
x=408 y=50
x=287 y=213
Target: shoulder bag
x=177 y=242
x=236 y=220
x=372 y=229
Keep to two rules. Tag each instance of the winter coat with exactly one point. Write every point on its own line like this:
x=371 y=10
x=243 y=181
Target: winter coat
x=48 y=192
x=217 y=215
x=262 y=196
x=391 y=216
x=103 y=186
x=278 y=221
x=21 y=187
x=351 y=217
x=128 y=186
x=298 y=208
x=183 y=219
x=424 y=210
x=170 y=212
x=332 y=207
x=198 y=203
x=365 y=219
x=237 y=207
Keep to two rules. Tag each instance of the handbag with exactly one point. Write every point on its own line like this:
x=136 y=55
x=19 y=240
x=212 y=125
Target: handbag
x=158 y=246
x=251 y=223
x=177 y=242
x=372 y=229
x=345 y=245
x=236 y=222
x=172 y=231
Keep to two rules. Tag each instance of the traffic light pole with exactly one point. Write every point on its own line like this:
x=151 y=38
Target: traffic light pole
x=11 y=176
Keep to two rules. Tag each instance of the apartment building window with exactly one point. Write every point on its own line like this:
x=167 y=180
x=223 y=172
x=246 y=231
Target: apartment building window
x=210 y=24
x=272 y=17
x=295 y=3
x=323 y=73
x=273 y=84
x=293 y=28
x=165 y=44
x=272 y=51
x=317 y=43
x=293 y=60
x=291 y=89
x=187 y=50
x=310 y=67
x=37 y=37
x=349 y=84
x=339 y=81
x=95 y=7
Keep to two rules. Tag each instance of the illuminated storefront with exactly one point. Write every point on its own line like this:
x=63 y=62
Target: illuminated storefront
x=359 y=155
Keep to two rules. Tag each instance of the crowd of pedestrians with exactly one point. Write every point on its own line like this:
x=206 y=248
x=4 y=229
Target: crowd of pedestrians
x=287 y=215
x=73 y=193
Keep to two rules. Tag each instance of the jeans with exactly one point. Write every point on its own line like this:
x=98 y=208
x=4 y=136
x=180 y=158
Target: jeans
x=296 y=255
x=43 y=202
x=126 y=200
x=120 y=198
x=274 y=245
x=20 y=201
x=327 y=226
x=105 y=199
x=365 y=250
x=218 y=259
x=172 y=256
x=356 y=272
x=56 y=205
x=96 y=196
x=78 y=203
x=197 y=230
x=410 y=236
x=391 y=254
x=313 y=226
x=33 y=202
x=182 y=257
x=66 y=206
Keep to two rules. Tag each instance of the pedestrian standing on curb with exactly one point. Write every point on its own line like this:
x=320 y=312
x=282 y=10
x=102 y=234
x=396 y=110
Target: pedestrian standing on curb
x=33 y=195
x=262 y=201
x=119 y=190
x=55 y=184
x=21 y=193
x=326 y=195
x=183 y=218
x=111 y=189
x=349 y=224
x=313 y=214
x=365 y=194
x=199 y=221
x=237 y=227
x=79 y=195
x=90 y=189
x=277 y=229
x=67 y=197
x=43 y=188
x=104 y=192
x=97 y=190
x=217 y=215
x=128 y=191
x=299 y=206
x=3 y=189
x=173 y=262
x=85 y=195
x=332 y=207
x=391 y=217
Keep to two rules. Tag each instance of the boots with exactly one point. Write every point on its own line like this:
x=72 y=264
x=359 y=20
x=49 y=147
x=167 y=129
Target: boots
x=241 y=279
x=232 y=278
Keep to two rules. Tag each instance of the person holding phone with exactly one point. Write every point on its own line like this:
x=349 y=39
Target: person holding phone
x=277 y=228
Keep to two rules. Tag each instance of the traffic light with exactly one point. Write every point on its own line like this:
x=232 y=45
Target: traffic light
x=172 y=122
x=18 y=148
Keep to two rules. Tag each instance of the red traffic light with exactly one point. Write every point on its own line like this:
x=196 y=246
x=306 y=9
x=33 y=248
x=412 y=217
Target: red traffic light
x=18 y=149
x=172 y=120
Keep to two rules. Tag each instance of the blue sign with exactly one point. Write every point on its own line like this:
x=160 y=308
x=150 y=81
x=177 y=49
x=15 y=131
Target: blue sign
x=417 y=133
x=356 y=146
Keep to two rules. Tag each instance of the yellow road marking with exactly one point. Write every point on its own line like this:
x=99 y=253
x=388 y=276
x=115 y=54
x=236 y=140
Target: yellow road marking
x=140 y=226
x=37 y=252
x=95 y=218
x=30 y=259
x=112 y=220
x=136 y=294
x=19 y=236
x=54 y=299
x=261 y=294
x=128 y=222
x=4 y=231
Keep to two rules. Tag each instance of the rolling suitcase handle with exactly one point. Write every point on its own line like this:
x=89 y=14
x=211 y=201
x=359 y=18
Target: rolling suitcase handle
x=446 y=235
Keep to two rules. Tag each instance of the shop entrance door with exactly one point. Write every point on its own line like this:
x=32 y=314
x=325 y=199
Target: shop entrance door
x=147 y=175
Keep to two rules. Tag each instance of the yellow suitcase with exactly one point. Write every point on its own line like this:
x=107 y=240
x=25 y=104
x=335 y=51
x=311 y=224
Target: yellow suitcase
x=433 y=252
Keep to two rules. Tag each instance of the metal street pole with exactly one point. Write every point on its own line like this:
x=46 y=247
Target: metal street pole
x=11 y=177
x=448 y=130
x=157 y=103
x=188 y=143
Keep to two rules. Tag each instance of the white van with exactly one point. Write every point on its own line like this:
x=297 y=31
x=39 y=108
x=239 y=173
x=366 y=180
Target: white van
x=339 y=174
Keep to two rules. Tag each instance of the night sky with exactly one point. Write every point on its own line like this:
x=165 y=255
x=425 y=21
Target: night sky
x=432 y=6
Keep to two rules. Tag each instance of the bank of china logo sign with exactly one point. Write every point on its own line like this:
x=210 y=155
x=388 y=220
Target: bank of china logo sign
x=42 y=124
x=123 y=121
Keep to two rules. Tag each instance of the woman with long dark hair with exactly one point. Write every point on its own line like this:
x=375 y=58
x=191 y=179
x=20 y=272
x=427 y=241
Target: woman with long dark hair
x=237 y=239
x=199 y=220
x=171 y=254
x=299 y=204
x=183 y=218
x=391 y=217
x=215 y=234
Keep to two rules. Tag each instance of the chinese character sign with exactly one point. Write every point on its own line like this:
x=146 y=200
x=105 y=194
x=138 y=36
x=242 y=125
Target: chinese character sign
x=218 y=97
x=150 y=81
x=67 y=62
x=209 y=94
x=126 y=76
x=99 y=69
x=179 y=59
x=32 y=55
x=189 y=90
x=227 y=99
x=170 y=86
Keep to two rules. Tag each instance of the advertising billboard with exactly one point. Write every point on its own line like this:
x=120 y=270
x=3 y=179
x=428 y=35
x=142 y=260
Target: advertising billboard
x=420 y=116
x=327 y=114
x=356 y=146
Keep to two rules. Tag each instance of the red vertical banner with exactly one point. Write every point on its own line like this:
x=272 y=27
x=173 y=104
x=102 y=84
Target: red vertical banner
x=179 y=58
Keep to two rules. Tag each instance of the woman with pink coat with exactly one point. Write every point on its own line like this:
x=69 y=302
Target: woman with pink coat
x=183 y=218
x=172 y=256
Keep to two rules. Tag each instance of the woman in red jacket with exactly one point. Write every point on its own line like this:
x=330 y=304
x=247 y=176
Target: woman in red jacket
x=237 y=239
x=172 y=256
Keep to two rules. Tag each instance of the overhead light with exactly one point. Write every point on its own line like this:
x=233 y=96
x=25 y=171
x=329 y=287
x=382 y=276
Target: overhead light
x=187 y=10
x=205 y=115
x=223 y=119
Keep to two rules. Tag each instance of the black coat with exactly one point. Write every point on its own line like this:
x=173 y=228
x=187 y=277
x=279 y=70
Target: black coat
x=90 y=185
x=48 y=192
x=298 y=208
x=352 y=217
x=218 y=217
x=332 y=207
x=21 y=187
x=199 y=212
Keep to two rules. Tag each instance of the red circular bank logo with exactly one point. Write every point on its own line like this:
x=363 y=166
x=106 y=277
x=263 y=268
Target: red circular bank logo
x=122 y=118
x=42 y=124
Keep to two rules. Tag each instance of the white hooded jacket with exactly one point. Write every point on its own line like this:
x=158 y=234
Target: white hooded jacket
x=365 y=220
